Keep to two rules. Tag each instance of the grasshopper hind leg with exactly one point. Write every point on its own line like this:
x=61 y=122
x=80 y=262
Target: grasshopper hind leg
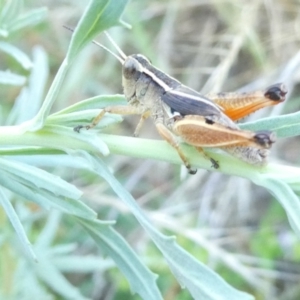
x=168 y=136
x=214 y=163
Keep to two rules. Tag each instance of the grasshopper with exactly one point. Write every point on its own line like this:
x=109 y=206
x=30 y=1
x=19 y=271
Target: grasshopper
x=179 y=111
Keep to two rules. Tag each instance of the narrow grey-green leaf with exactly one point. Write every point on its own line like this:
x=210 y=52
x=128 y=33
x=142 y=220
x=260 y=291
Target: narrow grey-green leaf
x=52 y=277
x=65 y=249
x=9 y=78
x=32 y=96
x=38 y=121
x=16 y=110
x=25 y=277
x=286 y=197
x=17 y=54
x=45 y=198
x=284 y=126
x=97 y=102
x=4 y=33
x=48 y=234
x=44 y=160
x=83 y=112
x=98 y=16
x=142 y=281
x=29 y=19
x=40 y=178
x=16 y=223
x=37 y=81
x=82 y=264
x=201 y=282
x=68 y=205
x=88 y=137
x=283 y=173
x=83 y=118
x=11 y=183
x=9 y=11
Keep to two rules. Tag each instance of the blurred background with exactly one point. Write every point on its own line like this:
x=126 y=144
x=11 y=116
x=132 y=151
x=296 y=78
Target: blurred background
x=224 y=221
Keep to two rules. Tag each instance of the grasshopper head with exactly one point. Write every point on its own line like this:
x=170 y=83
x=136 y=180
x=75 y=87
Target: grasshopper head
x=133 y=68
x=132 y=71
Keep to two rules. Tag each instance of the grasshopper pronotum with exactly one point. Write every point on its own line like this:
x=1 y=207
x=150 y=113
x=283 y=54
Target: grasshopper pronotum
x=200 y=121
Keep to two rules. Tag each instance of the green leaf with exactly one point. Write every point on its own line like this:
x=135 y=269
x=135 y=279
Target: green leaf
x=284 y=126
x=17 y=54
x=16 y=223
x=88 y=137
x=40 y=178
x=83 y=112
x=141 y=280
x=25 y=277
x=9 y=78
x=286 y=197
x=48 y=234
x=15 y=112
x=43 y=188
x=8 y=12
x=32 y=94
x=201 y=282
x=83 y=264
x=45 y=198
x=28 y=19
x=52 y=277
x=97 y=102
x=99 y=16
x=83 y=118
x=55 y=137
x=11 y=183
x=38 y=121
x=37 y=82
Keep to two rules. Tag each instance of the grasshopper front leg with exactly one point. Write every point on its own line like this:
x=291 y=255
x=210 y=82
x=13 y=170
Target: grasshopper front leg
x=119 y=110
x=140 y=124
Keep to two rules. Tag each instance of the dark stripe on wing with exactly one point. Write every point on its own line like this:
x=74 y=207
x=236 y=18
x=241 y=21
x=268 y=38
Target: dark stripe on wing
x=190 y=106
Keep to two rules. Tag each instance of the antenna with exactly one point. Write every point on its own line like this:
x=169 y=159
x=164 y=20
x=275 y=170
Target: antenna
x=121 y=53
x=122 y=57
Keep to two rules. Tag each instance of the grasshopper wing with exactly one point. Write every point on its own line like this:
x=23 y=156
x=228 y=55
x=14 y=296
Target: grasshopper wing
x=188 y=102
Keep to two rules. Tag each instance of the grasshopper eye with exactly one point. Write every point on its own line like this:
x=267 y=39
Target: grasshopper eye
x=131 y=68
